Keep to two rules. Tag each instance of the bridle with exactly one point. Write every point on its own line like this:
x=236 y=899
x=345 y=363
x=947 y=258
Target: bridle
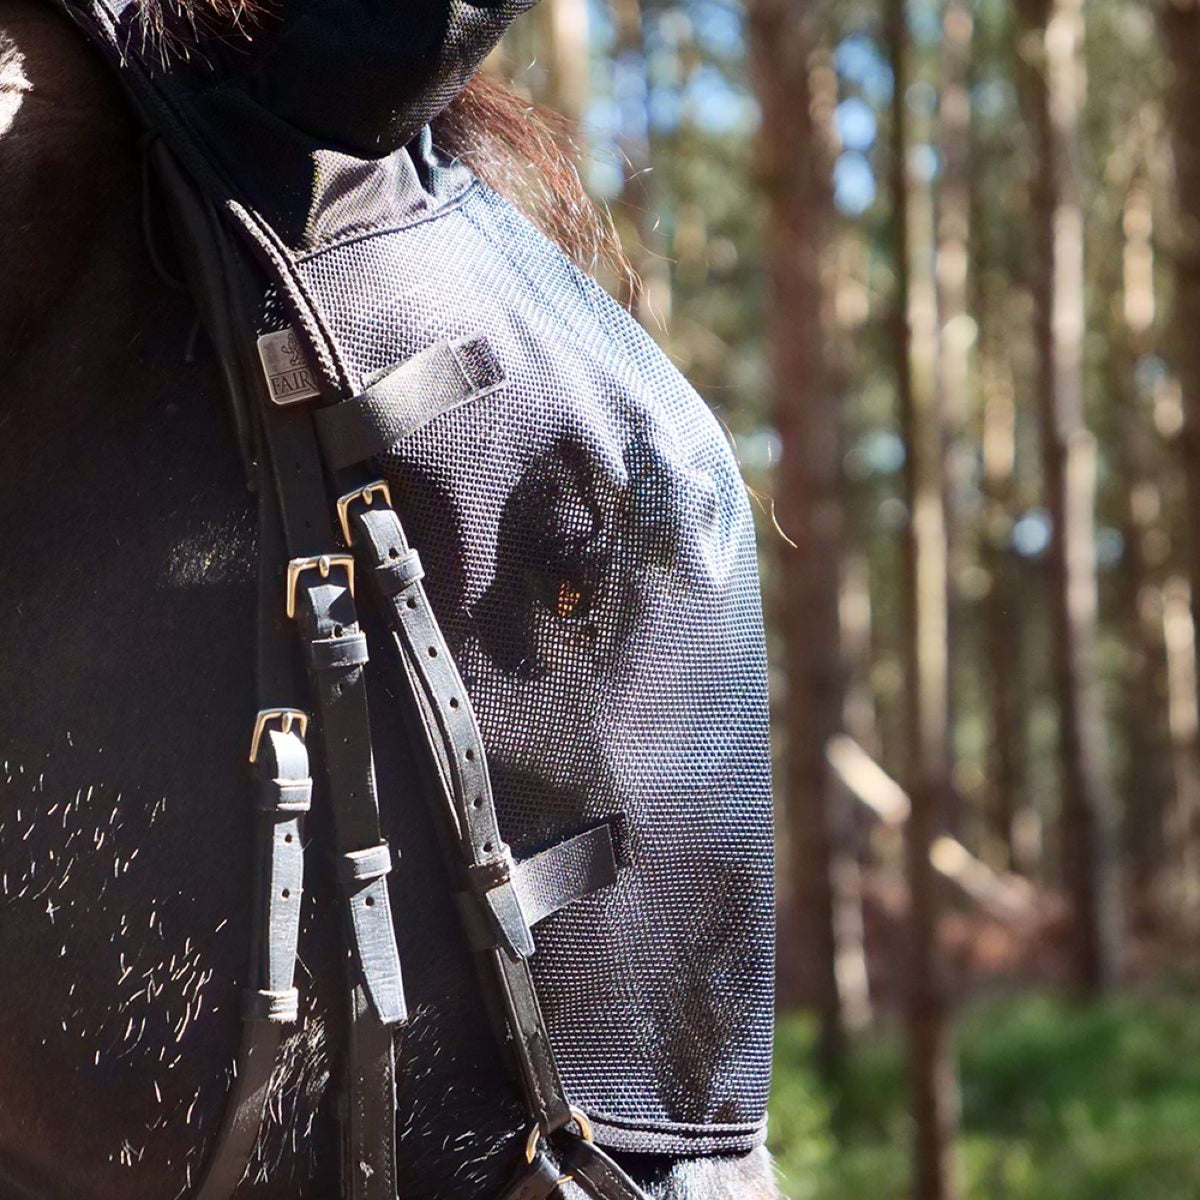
x=315 y=559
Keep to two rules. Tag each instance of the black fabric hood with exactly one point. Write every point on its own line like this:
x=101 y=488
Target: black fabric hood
x=313 y=115
x=362 y=76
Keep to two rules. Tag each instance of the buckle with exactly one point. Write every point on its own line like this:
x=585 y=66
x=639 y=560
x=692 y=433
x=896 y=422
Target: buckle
x=287 y=717
x=319 y=562
x=535 y=1135
x=367 y=496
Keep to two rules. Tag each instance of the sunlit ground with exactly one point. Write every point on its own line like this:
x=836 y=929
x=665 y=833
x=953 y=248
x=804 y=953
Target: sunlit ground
x=1059 y=1103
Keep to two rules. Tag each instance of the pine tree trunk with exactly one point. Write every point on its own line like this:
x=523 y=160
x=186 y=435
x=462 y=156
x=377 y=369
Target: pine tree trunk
x=955 y=326
x=931 y=1056
x=562 y=34
x=1008 y=813
x=649 y=290
x=1147 y=779
x=1180 y=20
x=795 y=169
x=1003 y=607
x=1087 y=825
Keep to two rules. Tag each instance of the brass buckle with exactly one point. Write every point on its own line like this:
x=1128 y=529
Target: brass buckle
x=320 y=562
x=287 y=717
x=366 y=495
x=535 y=1136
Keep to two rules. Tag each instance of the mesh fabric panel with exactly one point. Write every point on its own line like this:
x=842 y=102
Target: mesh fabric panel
x=589 y=553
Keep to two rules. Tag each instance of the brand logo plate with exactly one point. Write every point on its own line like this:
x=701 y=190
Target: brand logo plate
x=290 y=379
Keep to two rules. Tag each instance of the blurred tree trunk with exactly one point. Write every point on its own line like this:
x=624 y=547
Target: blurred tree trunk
x=1147 y=779
x=957 y=330
x=648 y=292
x=992 y=198
x=858 y=720
x=1180 y=22
x=795 y=163
x=1180 y=823
x=1054 y=91
x=562 y=35
x=931 y=1055
x=1003 y=608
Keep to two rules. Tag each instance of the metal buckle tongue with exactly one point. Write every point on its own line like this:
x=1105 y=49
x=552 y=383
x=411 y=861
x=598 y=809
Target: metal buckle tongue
x=319 y=562
x=367 y=495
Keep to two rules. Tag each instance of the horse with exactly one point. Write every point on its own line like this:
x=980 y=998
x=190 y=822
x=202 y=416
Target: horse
x=127 y=558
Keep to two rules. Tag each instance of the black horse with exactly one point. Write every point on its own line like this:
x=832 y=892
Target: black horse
x=127 y=559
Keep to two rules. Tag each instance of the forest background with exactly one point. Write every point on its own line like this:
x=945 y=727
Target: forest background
x=936 y=267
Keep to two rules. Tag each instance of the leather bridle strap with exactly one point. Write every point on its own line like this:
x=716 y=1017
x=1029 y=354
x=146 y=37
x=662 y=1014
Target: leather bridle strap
x=294 y=522
x=500 y=899
x=465 y=808
x=319 y=593
x=277 y=751
x=284 y=794
x=467 y=814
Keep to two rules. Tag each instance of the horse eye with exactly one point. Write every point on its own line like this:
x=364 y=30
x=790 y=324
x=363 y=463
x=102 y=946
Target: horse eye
x=570 y=599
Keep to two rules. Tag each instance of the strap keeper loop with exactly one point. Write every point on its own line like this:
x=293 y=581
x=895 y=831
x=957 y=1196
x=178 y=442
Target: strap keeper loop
x=361 y=866
x=396 y=575
x=285 y=796
x=338 y=653
x=493 y=873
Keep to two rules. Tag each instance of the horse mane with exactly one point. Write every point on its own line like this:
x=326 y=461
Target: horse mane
x=526 y=153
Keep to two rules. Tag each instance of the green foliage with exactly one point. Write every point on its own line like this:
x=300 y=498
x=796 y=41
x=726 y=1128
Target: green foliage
x=1059 y=1103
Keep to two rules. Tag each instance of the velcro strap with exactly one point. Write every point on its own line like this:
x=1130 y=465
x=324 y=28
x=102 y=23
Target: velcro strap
x=329 y=654
x=438 y=379
x=277 y=1007
x=565 y=872
x=285 y=795
x=395 y=575
x=360 y=865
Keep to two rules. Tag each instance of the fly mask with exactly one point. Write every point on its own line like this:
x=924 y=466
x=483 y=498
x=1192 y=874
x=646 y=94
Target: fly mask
x=456 y=433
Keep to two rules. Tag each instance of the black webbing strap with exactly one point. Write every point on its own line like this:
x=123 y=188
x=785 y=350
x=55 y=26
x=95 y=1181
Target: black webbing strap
x=318 y=592
x=565 y=872
x=438 y=379
x=551 y=879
